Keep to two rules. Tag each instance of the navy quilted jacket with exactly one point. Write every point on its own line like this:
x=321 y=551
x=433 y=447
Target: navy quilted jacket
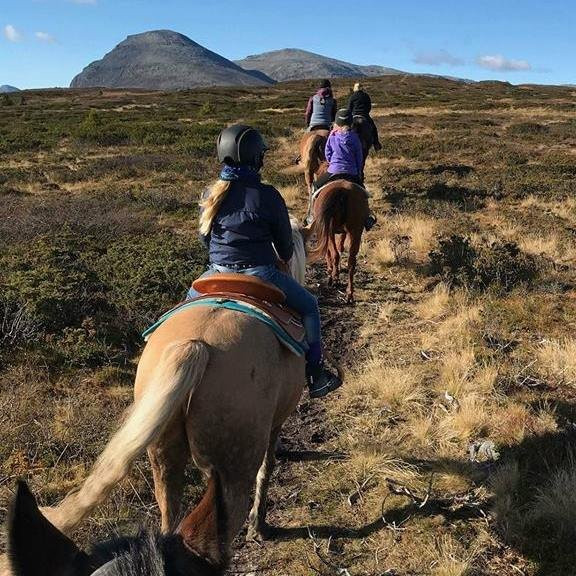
x=251 y=221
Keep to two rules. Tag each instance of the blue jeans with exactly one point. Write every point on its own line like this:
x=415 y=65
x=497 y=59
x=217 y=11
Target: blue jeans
x=297 y=298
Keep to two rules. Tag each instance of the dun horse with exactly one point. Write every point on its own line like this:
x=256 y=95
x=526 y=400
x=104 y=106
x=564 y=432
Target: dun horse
x=341 y=208
x=212 y=384
x=312 y=155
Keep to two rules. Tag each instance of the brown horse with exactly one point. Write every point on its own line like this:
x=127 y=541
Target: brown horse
x=214 y=385
x=312 y=155
x=341 y=207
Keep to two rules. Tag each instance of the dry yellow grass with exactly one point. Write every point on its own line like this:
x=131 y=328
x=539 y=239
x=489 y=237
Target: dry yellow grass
x=436 y=304
x=396 y=387
x=464 y=422
x=456 y=331
x=383 y=254
x=557 y=359
x=485 y=379
x=293 y=196
x=406 y=237
x=456 y=369
x=422 y=428
x=362 y=467
x=452 y=558
x=511 y=422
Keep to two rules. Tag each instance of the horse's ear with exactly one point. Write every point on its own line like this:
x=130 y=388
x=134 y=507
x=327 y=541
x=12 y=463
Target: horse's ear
x=36 y=547
x=204 y=531
x=307 y=231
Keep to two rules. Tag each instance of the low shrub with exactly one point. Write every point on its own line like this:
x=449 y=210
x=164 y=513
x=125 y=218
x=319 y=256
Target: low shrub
x=500 y=264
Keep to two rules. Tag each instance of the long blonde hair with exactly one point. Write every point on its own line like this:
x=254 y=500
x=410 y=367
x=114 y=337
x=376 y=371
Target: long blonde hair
x=211 y=204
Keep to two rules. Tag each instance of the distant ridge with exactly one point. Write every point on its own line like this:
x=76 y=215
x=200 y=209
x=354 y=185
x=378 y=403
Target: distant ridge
x=164 y=60
x=294 y=64
x=5 y=88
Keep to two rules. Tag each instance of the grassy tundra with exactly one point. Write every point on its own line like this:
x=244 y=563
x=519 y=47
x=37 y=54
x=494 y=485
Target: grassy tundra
x=462 y=337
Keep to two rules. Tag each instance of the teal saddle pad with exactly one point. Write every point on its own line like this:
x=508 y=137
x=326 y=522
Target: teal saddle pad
x=298 y=348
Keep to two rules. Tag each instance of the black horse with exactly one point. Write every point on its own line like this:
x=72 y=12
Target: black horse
x=37 y=548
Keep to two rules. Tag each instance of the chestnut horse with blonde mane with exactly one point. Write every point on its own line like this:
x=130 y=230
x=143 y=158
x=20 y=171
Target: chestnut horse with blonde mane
x=340 y=208
x=214 y=385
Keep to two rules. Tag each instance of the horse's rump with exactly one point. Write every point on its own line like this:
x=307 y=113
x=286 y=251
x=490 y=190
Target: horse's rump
x=313 y=144
x=246 y=359
x=340 y=206
x=362 y=126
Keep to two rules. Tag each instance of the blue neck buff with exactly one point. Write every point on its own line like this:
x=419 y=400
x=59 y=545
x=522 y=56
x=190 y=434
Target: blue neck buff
x=243 y=173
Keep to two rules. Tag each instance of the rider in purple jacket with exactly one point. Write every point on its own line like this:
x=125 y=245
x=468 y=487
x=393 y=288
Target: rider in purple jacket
x=343 y=152
x=345 y=156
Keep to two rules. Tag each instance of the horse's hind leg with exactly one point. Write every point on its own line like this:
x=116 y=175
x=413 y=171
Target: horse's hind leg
x=341 y=243
x=168 y=457
x=333 y=261
x=258 y=529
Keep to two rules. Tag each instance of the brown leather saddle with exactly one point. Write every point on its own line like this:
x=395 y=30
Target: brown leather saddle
x=255 y=292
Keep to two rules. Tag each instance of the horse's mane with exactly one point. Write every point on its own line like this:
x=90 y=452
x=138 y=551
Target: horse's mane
x=298 y=261
x=147 y=553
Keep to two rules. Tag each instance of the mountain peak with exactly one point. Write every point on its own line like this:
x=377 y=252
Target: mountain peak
x=158 y=37
x=296 y=64
x=164 y=60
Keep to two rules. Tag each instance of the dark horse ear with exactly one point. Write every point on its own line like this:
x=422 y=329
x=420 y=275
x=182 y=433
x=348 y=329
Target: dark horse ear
x=36 y=547
x=204 y=531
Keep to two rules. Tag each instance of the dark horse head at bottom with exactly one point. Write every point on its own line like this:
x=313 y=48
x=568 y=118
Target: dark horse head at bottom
x=37 y=548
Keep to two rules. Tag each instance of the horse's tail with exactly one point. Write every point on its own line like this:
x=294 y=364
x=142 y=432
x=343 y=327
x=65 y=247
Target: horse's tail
x=329 y=206
x=179 y=371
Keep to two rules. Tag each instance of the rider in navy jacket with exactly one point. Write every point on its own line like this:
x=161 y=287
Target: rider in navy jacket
x=246 y=227
x=251 y=221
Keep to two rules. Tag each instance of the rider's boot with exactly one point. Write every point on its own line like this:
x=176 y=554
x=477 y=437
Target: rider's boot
x=321 y=381
x=370 y=221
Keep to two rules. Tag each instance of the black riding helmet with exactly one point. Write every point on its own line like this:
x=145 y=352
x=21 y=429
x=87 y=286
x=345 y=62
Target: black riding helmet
x=240 y=144
x=343 y=117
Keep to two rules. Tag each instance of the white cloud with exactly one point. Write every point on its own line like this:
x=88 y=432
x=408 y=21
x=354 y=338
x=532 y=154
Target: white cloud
x=45 y=37
x=437 y=58
x=12 y=34
x=498 y=62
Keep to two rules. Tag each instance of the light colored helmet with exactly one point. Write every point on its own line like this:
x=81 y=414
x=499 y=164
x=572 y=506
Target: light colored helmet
x=358 y=86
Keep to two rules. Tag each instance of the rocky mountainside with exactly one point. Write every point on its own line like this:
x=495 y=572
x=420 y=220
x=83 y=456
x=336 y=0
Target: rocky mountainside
x=5 y=88
x=294 y=64
x=164 y=60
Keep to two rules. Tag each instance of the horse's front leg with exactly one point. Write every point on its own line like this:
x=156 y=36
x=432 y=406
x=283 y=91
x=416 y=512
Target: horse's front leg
x=352 y=259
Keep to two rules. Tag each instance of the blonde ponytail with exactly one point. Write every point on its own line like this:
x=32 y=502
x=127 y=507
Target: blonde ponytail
x=211 y=204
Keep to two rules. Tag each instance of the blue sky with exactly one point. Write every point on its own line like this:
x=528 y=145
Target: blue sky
x=44 y=43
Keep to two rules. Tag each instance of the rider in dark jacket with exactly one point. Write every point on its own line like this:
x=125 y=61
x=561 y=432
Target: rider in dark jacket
x=360 y=104
x=244 y=224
